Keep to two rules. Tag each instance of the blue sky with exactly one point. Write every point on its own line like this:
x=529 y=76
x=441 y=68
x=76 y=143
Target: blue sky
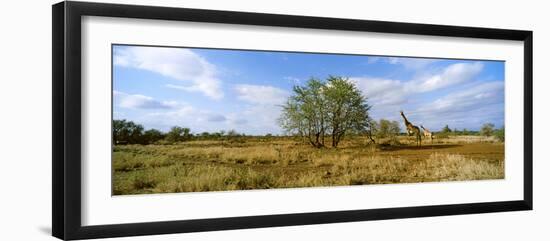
x=212 y=89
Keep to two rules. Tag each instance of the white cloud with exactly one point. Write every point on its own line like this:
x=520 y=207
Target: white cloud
x=450 y=75
x=185 y=115
x=382 y=91
x=261 y=116
x=293 y=80
x=407 y=62
x=141 y=101
x=262 y=119
x=177 y=63
x=393 y=92
x=471 y=107
x=257 y=116
x=197 y=119
x=216 y=118
x=411 y=63
x=238 y=121
x=372 y=59
x=261 y=94
x=468 y=99
x=453 y=74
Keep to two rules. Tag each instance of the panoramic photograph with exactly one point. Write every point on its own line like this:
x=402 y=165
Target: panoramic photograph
x=198 y=119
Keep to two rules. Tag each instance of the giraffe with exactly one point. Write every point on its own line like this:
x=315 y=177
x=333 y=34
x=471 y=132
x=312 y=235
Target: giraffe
x=427 y=133
x=412 y=130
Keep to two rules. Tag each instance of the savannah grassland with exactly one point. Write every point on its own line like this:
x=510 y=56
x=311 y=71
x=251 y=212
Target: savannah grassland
x=243 y=163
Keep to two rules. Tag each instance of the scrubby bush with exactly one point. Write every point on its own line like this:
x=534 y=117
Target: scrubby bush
x=387 y=129
x=487 y=129
x=499 y=134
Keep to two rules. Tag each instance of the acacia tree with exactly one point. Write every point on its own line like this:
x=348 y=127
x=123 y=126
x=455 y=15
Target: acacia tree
x=446 y=129
x=177 y=134
x=387 y=129
x=127 y=132
x=347 y=108
x=120 y=131
x=500 y=133
x=304 y=113
x=487 y=129
x=335 y=107
x=152 y=135
x=371 y=130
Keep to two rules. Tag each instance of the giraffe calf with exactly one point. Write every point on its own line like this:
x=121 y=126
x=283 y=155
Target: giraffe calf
x=427 y=133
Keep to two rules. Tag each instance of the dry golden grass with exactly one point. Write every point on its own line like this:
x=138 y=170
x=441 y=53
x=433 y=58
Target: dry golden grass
x=261 y=163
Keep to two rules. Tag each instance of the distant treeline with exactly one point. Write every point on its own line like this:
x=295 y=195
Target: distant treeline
x=128 y=132
x=487 y=129
x=389 y=130
x=455 y=131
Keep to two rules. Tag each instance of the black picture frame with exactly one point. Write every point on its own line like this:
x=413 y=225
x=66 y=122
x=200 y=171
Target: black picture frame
x=66 y=127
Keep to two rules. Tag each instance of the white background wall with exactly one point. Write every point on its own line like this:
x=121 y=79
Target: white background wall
x=25 y=104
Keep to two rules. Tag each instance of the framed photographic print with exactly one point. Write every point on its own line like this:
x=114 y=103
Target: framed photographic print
x=169 y=120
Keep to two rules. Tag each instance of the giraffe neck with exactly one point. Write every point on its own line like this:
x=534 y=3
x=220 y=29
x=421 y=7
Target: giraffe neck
x=405 y=119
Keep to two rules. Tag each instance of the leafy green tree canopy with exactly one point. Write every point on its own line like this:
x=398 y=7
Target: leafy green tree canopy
x=127 y=132
x=487 y=129
x=446 y=129
x=334 y=108
x=387 y=129
x=177 y=134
